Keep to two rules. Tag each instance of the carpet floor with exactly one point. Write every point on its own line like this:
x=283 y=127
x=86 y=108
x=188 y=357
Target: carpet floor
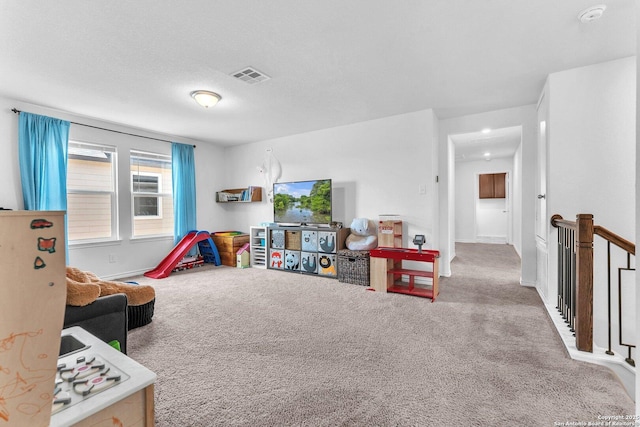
x=252 y=347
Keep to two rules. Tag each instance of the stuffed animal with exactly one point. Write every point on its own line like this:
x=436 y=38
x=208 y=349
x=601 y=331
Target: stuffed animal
x=364 y=235
x=80 y=289
x=84 y=287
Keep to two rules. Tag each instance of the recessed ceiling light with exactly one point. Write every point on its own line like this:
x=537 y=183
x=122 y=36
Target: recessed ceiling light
x=592 y=13
x=487 y=154
x=486 y=130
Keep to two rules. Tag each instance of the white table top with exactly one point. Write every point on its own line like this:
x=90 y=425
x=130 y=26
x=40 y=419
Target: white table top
x=139 y=377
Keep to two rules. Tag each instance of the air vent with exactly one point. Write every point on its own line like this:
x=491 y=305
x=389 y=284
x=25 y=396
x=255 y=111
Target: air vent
x=250 y=75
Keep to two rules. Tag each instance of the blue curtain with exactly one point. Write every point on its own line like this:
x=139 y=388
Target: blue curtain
x=184 y=189
x=42 y=154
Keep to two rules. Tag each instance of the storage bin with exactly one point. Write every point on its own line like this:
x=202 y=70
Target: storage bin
x=292 y=240
x=309 y=262
x=277 y=239
x=327 y=264
x=353 y=267
x=291 y=260
x=327 y=242
x=309 y=241
x=276 y=259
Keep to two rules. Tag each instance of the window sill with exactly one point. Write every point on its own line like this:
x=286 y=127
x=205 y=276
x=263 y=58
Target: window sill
x=143 y=239
x=94 y=244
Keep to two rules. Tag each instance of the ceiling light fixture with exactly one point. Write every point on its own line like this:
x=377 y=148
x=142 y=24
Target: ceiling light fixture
x=486 y=130
x=592 y=13
x=206 y=98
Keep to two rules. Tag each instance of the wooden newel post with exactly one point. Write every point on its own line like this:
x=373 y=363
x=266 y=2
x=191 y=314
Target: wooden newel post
x=584 y=282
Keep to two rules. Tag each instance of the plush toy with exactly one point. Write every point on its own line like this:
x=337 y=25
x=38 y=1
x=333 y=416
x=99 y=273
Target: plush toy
x=84 y=287
x=80 y=290
x=364 y=235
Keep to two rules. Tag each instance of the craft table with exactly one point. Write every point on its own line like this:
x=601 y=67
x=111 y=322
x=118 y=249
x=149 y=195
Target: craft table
x=387 y=271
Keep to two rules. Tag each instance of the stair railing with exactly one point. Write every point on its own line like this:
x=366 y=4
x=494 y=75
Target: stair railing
x=575 y=278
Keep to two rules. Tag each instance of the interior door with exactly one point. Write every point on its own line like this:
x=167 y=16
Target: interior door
x=542 y=223
x=541 y=178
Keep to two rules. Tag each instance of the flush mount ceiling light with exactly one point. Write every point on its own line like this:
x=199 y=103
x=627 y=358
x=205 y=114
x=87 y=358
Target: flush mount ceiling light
x=591 y=14
x=206 y=98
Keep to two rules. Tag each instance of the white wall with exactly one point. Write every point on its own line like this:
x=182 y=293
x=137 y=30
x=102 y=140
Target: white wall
x=376 y=167
x=637 y=194
x=466 y=193
x=591 y=168
x=516 y=201
x=132 y=256
x=524 y=182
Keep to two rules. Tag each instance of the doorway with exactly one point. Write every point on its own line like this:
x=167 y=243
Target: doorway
x=493 y=208
x=485 y=220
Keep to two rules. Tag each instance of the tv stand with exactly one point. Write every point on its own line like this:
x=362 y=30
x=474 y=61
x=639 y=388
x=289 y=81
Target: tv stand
x=305 y=249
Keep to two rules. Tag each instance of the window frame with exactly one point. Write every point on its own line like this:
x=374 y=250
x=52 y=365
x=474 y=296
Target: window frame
x=157 y=195
x=165 y=190
x=113 y=194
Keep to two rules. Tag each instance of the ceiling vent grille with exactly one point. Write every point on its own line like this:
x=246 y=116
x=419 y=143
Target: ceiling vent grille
x=250 y=75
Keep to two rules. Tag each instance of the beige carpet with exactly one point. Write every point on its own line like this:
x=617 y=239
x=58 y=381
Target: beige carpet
x=255 y=347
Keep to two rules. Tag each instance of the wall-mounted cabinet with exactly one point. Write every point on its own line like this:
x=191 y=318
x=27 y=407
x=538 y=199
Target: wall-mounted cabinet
x=492 y=185
x=234 y=195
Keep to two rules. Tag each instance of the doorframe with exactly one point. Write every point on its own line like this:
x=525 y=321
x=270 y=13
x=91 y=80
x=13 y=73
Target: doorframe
x=508 y=205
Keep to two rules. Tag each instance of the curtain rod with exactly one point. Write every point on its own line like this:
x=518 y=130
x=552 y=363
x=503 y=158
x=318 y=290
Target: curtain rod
x=15 y=110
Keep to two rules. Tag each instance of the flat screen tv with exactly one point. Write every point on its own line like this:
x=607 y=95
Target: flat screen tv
x=302 y=202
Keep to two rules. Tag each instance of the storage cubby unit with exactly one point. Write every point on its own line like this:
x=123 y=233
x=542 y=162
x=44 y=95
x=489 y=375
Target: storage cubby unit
x=258 y=246
x=240 y=195
x=310 y=250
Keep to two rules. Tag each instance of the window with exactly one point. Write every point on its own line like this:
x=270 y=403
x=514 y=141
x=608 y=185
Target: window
x=151 y=193
x=91 y=192
x=147 y=206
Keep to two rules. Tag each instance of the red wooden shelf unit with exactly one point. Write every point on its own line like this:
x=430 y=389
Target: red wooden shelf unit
x=387 y=271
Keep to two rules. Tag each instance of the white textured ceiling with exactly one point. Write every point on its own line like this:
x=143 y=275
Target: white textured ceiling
x=331 y=62
x=497 y=143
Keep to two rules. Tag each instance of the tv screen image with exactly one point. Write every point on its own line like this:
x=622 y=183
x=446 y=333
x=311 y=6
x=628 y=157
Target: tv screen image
x=302 y=202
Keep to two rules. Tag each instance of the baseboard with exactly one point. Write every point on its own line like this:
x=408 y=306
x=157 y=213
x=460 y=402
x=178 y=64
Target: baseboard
x=485 y=239
x=528 y=283
x=125 y=274
x=492 y=239
x=466 y=241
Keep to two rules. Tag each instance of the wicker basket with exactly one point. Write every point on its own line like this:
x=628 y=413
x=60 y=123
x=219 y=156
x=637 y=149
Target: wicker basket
x=353 y=267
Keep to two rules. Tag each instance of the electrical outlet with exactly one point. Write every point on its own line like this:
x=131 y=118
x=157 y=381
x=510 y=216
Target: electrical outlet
x=113 y=258
x=422 y=189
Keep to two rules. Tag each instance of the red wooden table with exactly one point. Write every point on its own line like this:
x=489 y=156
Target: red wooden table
x=387 y=271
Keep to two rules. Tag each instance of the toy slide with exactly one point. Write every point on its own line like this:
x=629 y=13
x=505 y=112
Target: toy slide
x=181 y=249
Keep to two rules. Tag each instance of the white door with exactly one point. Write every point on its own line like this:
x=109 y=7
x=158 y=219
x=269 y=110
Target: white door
x=542 y=222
